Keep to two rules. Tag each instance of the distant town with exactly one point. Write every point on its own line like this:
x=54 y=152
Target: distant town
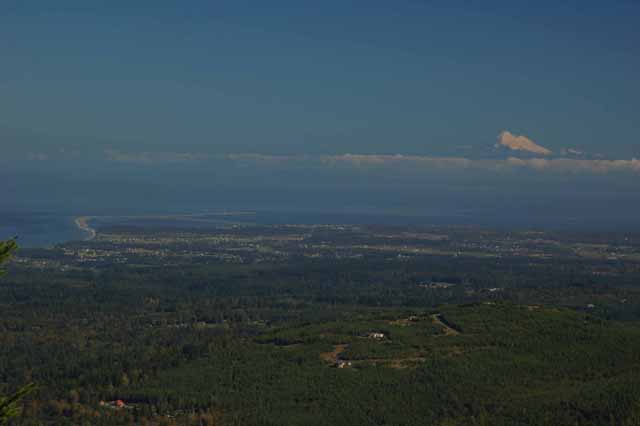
x=253 y=244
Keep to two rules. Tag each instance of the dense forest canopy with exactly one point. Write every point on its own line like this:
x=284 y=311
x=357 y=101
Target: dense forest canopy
x=183 y=333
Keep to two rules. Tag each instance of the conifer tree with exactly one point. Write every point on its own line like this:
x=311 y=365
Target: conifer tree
x=7 y=248
x=10 y=405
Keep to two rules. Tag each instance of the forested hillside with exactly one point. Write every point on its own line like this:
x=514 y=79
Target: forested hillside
x=233 y=345
x=323 y=325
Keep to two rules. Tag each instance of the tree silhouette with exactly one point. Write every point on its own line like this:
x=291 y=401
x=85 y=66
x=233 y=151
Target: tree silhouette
x=7 y=248
x=10 y=405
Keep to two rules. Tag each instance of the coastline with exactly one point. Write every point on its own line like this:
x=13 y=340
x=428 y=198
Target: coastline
x=82 y=222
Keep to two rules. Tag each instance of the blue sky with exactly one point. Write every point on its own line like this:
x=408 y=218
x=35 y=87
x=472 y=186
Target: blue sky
x=168 y=96
x=409 y=77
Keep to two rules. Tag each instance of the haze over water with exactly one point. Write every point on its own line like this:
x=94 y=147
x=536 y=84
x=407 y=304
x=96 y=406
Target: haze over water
x=501 y=114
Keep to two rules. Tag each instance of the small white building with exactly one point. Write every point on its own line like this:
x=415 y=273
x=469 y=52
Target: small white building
x=376 y=335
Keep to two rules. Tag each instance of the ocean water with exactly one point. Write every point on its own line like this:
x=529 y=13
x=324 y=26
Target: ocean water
x=39 y=229
x=46 y=229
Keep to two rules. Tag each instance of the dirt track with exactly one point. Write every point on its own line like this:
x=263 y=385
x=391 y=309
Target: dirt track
x=333 y=356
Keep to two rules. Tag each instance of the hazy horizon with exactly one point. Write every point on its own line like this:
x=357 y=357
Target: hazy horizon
x=501 y=113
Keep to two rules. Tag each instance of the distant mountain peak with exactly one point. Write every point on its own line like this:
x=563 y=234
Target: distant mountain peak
x=508 y=140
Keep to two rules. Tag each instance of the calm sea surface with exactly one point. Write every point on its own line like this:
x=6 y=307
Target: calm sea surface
x=39 y=229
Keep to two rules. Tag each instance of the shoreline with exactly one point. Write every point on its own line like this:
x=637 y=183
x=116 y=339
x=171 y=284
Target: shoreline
x=82 y=222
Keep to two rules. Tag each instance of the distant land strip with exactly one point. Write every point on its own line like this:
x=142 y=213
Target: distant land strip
x=82 y=223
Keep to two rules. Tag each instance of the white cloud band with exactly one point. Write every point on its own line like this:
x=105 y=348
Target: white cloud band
x=402 y=162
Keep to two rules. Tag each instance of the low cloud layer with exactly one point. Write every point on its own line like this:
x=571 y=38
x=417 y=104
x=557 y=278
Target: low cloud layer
x=418 y=163
x=508 y=140
x=577 y=166
x=392 y=163
x=557 y=165
x=152 y=157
